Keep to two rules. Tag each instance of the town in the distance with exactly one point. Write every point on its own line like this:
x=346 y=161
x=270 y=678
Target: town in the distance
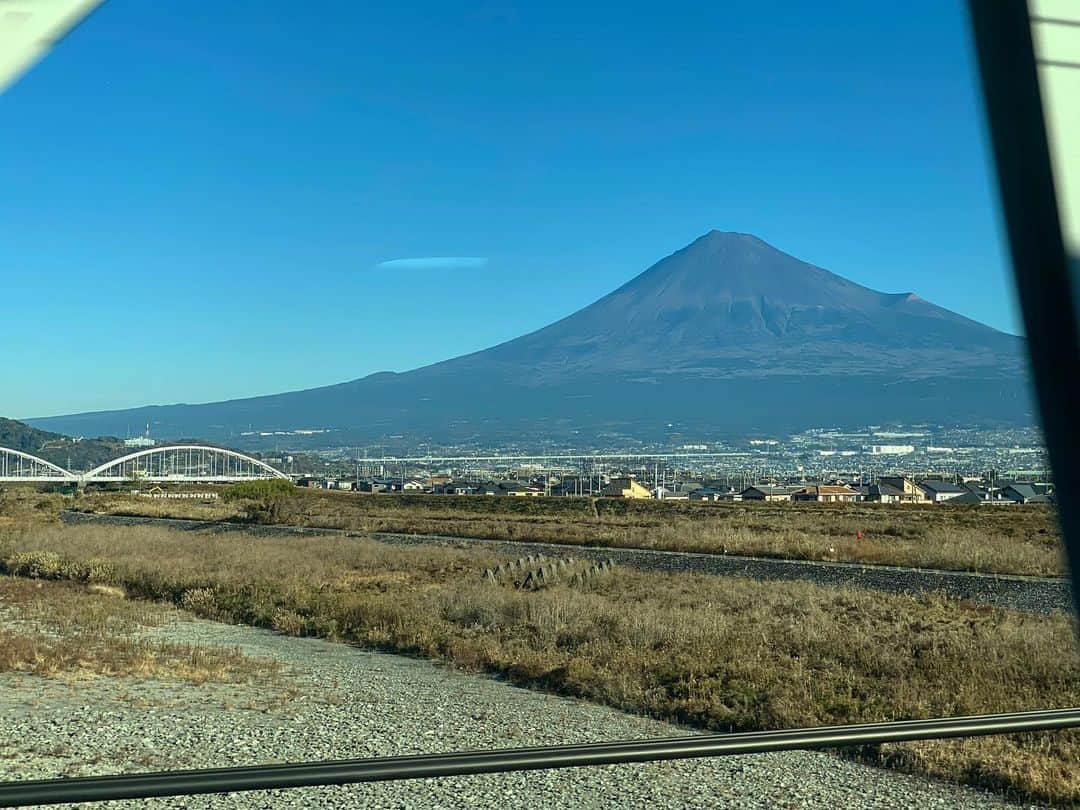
x=894 y=464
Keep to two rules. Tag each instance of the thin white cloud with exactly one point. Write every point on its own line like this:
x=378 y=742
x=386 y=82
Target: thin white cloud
x=434 y=263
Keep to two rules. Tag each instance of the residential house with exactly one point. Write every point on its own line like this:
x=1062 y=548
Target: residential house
x=1024 y=493
x=380 y=485
x=317 y=482
x=454 y=488
x=510 y=488
x=969 y=497
x=765 y=492
x=686 y=487
x=911 y=491
x=705 y=494
x=994 y=496
x=726 y=493
x=826 y=493
x=566 y=488
x=882 y=493
x=519 y=490
x=625 y=487
x=414 y=485
x=988 y=495
x=665 y=494
x=941 y=491
x=573 y=485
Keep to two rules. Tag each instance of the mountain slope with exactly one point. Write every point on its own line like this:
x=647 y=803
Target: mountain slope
x=733 y=303
x=725 y=335
x=61 y=450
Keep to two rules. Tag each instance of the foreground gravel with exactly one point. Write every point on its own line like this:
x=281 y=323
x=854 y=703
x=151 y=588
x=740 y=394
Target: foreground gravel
x=335 y=701
x=1040 y=595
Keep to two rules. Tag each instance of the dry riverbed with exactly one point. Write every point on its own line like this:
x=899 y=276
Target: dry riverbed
x=713 y=652
x=313 y=699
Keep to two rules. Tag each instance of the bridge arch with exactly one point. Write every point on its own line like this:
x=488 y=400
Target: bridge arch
x=15 y=465
x=183 y=462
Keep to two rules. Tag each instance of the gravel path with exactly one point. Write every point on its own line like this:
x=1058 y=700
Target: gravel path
x=1041 y=595
x=334 y=701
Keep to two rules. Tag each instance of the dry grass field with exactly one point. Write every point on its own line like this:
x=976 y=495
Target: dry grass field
x=725 y=654
x=1003 y=539
x=73 y=630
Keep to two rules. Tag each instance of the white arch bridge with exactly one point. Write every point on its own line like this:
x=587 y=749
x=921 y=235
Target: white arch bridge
x=159 y=465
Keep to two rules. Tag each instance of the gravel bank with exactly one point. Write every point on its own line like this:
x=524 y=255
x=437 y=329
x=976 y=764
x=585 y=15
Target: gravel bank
x=334 y=701
x=1041 y=595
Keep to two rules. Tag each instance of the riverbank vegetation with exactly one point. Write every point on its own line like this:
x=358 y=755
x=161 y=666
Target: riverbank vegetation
x=998 y=539
x=710 y=652
x=72 y=630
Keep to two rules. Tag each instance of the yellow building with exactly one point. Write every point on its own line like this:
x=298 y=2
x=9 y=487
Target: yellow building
x=625 y=488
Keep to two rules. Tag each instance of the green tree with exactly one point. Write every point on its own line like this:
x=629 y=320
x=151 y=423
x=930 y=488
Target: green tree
x=266 y=501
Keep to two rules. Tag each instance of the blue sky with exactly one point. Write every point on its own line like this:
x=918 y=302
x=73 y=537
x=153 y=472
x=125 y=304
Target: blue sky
x=202 y=201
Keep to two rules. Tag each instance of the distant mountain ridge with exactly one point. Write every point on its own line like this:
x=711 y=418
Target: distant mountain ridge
x=724 y=335
x=60 y=450
x=19 y=436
